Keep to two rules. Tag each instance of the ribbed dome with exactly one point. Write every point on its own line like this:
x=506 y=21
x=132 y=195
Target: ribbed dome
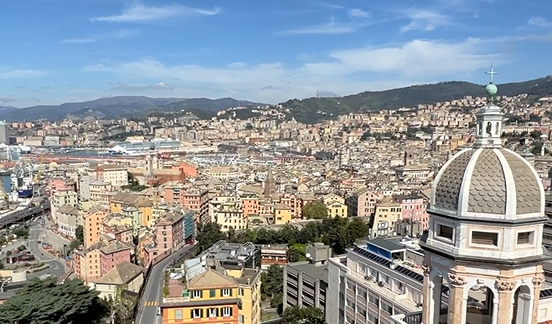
x=494 y=183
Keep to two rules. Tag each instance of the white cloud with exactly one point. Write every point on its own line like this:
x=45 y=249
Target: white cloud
x=425 y=20
x=331 y=28
x=79 y=40
x=137 y=13
x=117 y=34
x=359 y=13
x=343 y=71
x=540 y=22
x=22 y=73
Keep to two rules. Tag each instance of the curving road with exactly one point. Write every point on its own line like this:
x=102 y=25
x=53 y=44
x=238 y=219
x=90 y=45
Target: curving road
x=57 y=268
x=147 y=310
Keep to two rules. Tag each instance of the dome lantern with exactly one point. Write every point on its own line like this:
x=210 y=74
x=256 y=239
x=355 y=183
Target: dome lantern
x=489 y=119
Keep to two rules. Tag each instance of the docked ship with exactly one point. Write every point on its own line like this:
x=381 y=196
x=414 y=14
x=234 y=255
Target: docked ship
x=22 y=181
x=142 y=147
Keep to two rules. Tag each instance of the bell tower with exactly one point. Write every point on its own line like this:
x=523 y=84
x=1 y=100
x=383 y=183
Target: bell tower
x=483 y=250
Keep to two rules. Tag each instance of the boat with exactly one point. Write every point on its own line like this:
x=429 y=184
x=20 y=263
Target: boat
x=22 y=181
x=131 y=146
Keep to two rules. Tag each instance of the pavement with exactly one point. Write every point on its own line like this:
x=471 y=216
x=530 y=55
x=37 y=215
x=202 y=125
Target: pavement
x=57 y=266
x=147 y=310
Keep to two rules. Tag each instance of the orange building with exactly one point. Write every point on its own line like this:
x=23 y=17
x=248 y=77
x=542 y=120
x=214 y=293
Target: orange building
x=250 y=206
x=93 y=227
x=189 y=170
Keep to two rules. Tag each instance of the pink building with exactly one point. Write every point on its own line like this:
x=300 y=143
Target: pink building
x=112 y=255
x=61 y=184
x=413 y=207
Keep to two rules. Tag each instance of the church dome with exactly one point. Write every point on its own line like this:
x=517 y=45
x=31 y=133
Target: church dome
x=488 y=182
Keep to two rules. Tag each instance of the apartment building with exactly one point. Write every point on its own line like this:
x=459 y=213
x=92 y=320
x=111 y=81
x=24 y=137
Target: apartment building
x=361 y=203
x=386 y=216
x=93 y=226
x=173 y=229
x=113 y=254
x=227 y=211
x=336 y=205
x=306 y=282
x=413 y=207
x=122 y=200
x=222 y=285
x=116 y=175
x=62 y=198
x=372 y=283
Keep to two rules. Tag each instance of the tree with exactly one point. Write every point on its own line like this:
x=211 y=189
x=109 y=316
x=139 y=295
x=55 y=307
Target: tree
x=46 y=302
x=303 y=315
x=358 y=228
x=315 y=210
x=79 y=233
x=208 y=234
x=272 y=281
x=294 y=254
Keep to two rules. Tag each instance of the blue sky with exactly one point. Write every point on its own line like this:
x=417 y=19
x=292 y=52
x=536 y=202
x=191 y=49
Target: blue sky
x=55 y=51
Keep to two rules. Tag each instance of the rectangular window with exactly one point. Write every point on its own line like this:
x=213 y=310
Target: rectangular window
x=213 y=312
x=197 y=313
x=485 y=238
x=241 y=319
x=226 y=292
x=525 y=238
x=178 y=314
x=196 y=293
x=227 y=311
x=241 y=292
x=212 y=293
x=445 y=232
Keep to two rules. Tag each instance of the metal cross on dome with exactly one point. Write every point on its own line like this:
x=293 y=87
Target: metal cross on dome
x=491 y=73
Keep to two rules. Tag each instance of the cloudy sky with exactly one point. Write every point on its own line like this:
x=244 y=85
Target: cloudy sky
x=54 y=51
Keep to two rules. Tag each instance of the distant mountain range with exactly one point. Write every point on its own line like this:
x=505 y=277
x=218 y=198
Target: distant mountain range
x=121 y=107
x=313 y=110
x=309 y=110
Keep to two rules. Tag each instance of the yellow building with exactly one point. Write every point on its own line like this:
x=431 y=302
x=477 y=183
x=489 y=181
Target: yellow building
x=217 y=289
x=336 y=205
x=282 y=214
x=123 y=200
x=387 y=214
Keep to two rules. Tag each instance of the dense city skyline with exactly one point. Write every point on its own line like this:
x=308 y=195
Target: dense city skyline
x=257 y=51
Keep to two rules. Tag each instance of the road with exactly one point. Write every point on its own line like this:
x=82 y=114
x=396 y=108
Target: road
x=57 y=267
x=147 y=310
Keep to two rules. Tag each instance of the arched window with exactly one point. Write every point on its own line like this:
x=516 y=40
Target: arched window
x=489 y=129
x=497 y=128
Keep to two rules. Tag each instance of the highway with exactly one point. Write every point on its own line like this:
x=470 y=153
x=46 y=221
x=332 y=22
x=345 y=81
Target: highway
x=18 y=215
x=57 y=268
x=147 y=310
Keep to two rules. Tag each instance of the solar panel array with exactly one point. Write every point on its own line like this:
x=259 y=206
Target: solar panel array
x=546 y=293
x=376 y=258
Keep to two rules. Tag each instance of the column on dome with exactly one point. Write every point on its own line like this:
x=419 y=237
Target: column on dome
x=505 y=290
x=457 y=304
x=428 y=304
x=537 y=285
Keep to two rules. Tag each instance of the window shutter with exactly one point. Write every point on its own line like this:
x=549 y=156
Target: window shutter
x=230 y=292
x=201 y=294
x=201 y=312
x=231 y=310
x=191 y=313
